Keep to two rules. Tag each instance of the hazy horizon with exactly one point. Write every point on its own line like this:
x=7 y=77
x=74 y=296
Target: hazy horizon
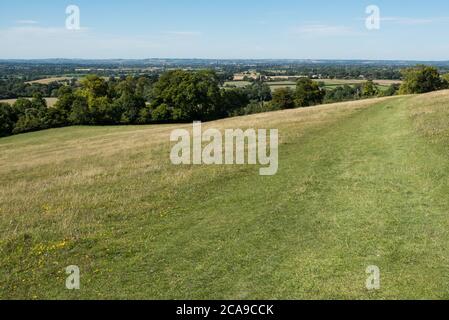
x=311 y=60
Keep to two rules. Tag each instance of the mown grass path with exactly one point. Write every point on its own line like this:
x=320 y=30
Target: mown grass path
x=364 y=190
x=370 y=192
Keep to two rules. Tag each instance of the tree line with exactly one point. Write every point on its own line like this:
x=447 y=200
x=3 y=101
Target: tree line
x=15 y=88
x=185 y=96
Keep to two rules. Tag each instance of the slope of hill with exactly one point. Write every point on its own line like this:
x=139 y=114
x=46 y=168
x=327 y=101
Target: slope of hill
x=361 y=183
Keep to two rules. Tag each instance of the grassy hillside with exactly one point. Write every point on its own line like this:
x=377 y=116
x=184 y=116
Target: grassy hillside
x=360 y=183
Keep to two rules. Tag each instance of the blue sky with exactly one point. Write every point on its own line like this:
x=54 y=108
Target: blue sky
x=300 y=29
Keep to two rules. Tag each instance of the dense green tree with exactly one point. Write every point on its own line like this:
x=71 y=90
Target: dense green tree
x=62 y=108
x=31 y=120
x=234 y=99
x=32 y=115
x=391 y=90
x=129 y=105
x=21 y=105
x=421 y=79
x=93 y=87
x=188 y=96
x=255 y=107
x=144 y=115
x=308 y=93
x=79 y=113
x=369 y=89
x=112 y=88
x=64 y=90
x=100 y=109
x=162 y=113
x=144 y=86
x=38 y=102
x=342 y=93
x=259 y=91
x=7 y=119
x=127 y=86
x=55 y=118
x=445 y=78
x=103 y=112
x=283 y=98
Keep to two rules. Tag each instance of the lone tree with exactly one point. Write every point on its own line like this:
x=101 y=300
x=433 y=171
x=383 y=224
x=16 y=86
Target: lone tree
x=422 y=79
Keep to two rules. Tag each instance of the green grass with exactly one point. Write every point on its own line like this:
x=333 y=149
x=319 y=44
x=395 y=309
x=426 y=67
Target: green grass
x=359 y=184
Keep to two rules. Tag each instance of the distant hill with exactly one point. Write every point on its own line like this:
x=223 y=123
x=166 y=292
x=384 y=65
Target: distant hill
x=193 y=62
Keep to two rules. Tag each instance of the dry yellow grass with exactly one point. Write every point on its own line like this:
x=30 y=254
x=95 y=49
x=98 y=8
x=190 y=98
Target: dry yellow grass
x=50 y=101
x=430 y=113
x=353 y=81
x=59 y=163
x=109 y=200
x=70 y=158
x=110 y=142
x=50 y=80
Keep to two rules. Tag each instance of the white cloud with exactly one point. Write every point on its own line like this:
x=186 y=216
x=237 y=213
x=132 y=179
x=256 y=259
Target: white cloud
x=323 y=30
x=35 y=41
x=42 y=42
x=184 y=33
x=407 y=21
x=26 y=22
x=411 y=21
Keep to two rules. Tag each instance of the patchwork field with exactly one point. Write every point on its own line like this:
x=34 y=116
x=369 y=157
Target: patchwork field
x=329 y=84
x=360 y=183
x=50 y=80
x=62 y=79
x=50 y=101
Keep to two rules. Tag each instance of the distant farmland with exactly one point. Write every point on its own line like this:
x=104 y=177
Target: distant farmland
x=329 y=83
x=50 y=101
x=50 y=80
